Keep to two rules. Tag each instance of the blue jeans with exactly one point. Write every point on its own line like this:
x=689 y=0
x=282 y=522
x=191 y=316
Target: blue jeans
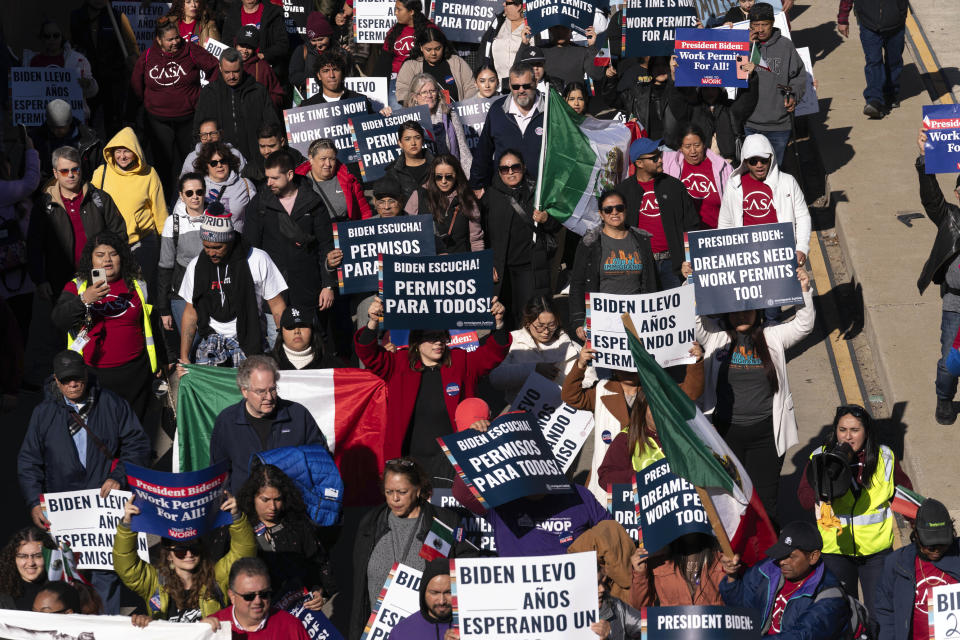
x=947 y=382
x=668 y=279
x=177 y=305
x=778 y=140
x=883 y=54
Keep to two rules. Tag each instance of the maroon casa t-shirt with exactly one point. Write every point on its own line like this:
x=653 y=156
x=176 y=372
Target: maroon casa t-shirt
x=116 y=336
x=648 y=217
x=698 y=179
x=758 y=207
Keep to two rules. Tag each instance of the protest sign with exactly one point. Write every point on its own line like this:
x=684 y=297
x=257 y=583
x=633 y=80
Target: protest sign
x=664 y=320
x=474 y=529
x=702 y=623
x=944 y=611
x=543 y=597
x=372 y=19
x=215 y=47
x=542 y=14
x=374 y=88
x=622 y=505
x=564 y=427
x=508 y=461
x=708 y=57
x=649 y=25
x=375 y=138
x=743 y=268
x=473 y=113
x=318 y=626
x=942 y=148
x=87 y=522
x=143 y=20
x=464 y=20
x=32 y=88
x=363 y=241
x=437 y=292
x=179 y=506
x=667 y=507
x=809 y=103
x=27 y=625
x=399 y=598
x=295 y=16
x=466 y=339
x=327 y=120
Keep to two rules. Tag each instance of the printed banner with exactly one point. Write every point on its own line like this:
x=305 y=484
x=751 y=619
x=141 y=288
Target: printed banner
x=474 y=529
x=702 y=623
x=399 y=598
x=464 y=21
x=26 y=625
x=143 y=20
x=372 y=19
x=215 y=47
x=542 y=14
x=809 y=103
x=564 y=427
x=942 y=149
x=363 y=241
x=745 y=268
x=327 y=120
x=543 y=597
x=295 y=16
x=510 y=460
x=708 y=57
x=622 y=505
x=318 y=626
x=667 y=507
x=649 y=26
x=664 y=320
x=437 y=292
x=179 y=506
x=88 y=523
x=375 y=138
x=31 y=88
x=473 y=114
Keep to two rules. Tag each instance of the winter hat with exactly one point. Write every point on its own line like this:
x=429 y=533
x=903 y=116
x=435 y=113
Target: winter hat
x=216 y=225
x=387 y=187
x=318 y=26
x=59 y=113
x=249 y=36
x=761 y=11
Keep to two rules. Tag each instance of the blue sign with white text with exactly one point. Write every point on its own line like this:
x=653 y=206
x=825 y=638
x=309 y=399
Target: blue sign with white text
x=710 y=57
x=668 y=507
x=179 y=506
x=942 y=149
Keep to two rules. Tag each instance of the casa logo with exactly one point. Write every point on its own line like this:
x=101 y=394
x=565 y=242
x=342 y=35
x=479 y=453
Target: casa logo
x=699 y=186
x=114 y=306
x=649 y=206
x=757 y=204
x=403 y=45
x=453 y=389
x=167 y=75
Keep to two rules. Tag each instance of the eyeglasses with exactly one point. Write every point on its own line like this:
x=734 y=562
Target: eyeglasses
x=854 y=410
x=444 y=177
x=516 y=167
x=654 y=156
x=52 y=36
x=387 y=202
x=272 y=391
x=207 y=135
x=216 y=163
x=536 y=326
x=190 y=192
x=29 y=556
x=757 y=160
x=427 y=92
x=525 y=86
x=610 y=208
x=181 y=552
x=266 y=594
x=69 y=172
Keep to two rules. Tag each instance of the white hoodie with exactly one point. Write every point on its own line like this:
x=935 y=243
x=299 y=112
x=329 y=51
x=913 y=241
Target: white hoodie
x=788 y=197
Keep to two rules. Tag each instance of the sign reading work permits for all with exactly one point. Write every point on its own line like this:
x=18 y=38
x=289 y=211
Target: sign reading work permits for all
x=372 y=19
x=664 y=322
x=508 y=461
x=375 y=138
x=464 y=20
x=317 y=625
x=363 y=241
x=32 y=88
x=542 y=14
x=564 y=427
x=327 y=120
x=942 y=148
x=649 y=26
x=143 y=20
x=622 y=505
x=745 y=268
x=437 y=292
x=709 y=57
x=473 y=113
x=667 y=507
x=399 y=598
x=701 y=623
x=179 y=506
x=88 y=524
x=543 y=597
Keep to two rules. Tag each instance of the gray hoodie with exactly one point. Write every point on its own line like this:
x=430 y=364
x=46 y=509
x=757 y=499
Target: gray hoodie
x=780 y=64
x=235 y=194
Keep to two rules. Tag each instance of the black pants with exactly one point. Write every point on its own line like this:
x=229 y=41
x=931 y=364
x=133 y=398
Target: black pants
x=132 y=381
x=171 y=139
x=518 y=287
x=754 y=446
x=865 y=569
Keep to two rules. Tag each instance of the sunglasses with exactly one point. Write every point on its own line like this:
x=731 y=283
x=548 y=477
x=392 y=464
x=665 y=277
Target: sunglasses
x=181 y=552
x=654 y=156
x=525 y=86
x=757 y=160
x=516 y=167
x=619 y=208
x=513 y=3
x=854 y=410
x=444 y=177
x=69 y=172
x=266 y=594
x=190 y=192
x=216 y=163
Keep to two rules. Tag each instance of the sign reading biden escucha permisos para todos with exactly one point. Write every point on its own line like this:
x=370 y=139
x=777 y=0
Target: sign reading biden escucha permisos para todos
x=363 y=241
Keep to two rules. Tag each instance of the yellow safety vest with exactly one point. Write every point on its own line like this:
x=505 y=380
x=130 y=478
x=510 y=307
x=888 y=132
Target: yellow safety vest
x=147 y=329
x=646 y=455
x=866 y=522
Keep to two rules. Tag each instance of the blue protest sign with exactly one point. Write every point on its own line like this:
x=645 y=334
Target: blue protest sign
x=327 y=120
x=375 y=138
x=542 y=14
x=473 y=528
x=318 y=626
x=669 y=507
x=510 y=460
x=180 y=506
x=465 y=339
x=464 y=21
x=438 y=292
x=649 y=26
x=942 y=149
x=708 y=57
x=702 y=623
x=622 y=505
x=741 y=268
x=362 y=241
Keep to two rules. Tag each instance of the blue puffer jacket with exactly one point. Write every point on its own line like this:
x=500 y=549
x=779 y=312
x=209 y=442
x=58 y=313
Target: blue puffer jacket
x=817 y=611
x=500 y=132
x=312 y=469
x=897 y=589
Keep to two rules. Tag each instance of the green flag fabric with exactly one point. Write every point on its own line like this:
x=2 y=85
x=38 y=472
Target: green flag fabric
x=204 y=393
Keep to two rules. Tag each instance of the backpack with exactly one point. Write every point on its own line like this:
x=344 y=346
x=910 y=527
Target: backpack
x=858 y=627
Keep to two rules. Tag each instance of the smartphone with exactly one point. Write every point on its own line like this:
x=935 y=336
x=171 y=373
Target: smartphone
x=97 y=276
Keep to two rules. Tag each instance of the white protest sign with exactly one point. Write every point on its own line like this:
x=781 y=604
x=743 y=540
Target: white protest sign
x=564 y=427
x=88 y=524
x=664 y=323
x=372 y=19
x=374 y=88
x=399 y=598
x=543 y=597
x=215 y=47
x=945 y=609
x=809 y=103
x=143 y=19
x=31 y=88
x=27 y=625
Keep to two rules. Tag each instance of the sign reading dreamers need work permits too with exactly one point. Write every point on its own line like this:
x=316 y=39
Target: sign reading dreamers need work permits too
x=508 y=461
x=542 y=14
x=473 y=113
x=942 y=148
x=362 y=241
x=375 y=138
x=622 y=505
x=399 y=598
x=327 y=120
x=88 y=523
x=564 y=427
x=543 y=597
x=649 y=26
x=464 y=20
x=745 y=268
x=179 y=506
x=32 y=88
x=667 y=507
x=709 y=57
x=664 y=322
x=702 y=623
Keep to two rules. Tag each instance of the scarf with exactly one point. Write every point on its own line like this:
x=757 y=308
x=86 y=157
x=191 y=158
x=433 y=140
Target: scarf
x=225 y=292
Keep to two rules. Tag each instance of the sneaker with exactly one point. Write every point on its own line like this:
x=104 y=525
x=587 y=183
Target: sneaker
x=893 y=103
x=873 y=111
x=945 y=413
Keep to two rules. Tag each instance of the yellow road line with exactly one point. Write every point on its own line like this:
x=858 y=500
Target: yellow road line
x=926 y=58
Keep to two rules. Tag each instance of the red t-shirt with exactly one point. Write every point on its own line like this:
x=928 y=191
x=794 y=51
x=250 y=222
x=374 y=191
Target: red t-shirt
x=280 y=626
x=758 y=207
x=42 y=60
x=401 y=48
x=783 y=597
x=698 y=179
x=251 y=18
x=927 y=577
x=186 y=30
x=72 y=207
x=648 y=218
x=116 y=336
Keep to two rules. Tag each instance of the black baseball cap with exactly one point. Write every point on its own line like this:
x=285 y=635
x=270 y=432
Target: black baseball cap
x=530 y=54
x=934 y=526
x=69 y=364
x=249 y=36
x=296 y=317
x=796 y=535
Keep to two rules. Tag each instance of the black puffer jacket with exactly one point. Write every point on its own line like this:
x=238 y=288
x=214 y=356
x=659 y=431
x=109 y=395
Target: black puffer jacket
x=295 y=557
x=947 y=218
x=881 y=15
x=240 y=112
x=399 y=172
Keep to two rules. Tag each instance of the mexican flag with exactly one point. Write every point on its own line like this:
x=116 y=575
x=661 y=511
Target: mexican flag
x=906 y=502
x=61 y=564
x=349 y=405
x=438 y=543
x=580 y=157
x=699 y=455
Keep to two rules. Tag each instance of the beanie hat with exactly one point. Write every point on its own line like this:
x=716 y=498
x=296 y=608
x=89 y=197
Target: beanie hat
x=249 y=36
x=318 y=26
x=59 y=113
x=761 y=11
x=216 y=225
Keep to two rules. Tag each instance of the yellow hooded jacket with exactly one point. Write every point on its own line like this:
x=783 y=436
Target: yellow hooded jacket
x=136 y=190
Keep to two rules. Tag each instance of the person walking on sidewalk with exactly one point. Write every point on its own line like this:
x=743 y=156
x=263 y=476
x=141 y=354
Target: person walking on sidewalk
x=883 y=25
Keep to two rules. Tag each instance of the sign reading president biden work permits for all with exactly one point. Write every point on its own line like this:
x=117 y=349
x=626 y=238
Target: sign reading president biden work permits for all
x=179 y=506
x=508 y=461
x=664 y=323
x=363 y=241
x=942 y=148
x=745 y=268
x=649 y=26
x=437 y=292
x=543 y=597
x=708 y=57
x=542 y=14
x=327 y=120
x=667 y=507
x=375 y=138
x=702 y=623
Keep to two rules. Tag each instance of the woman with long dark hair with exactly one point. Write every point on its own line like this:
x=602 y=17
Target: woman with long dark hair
x=399 y=41
x=446 y=195
x=434 y=55
x=195 y=21
x=687 y=572
x=23 y=571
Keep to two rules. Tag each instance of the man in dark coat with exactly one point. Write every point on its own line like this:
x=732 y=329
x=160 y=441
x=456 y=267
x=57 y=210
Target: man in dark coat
x=883 y=25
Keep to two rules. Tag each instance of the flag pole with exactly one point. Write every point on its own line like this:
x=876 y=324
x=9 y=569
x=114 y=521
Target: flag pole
x=705 y=498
